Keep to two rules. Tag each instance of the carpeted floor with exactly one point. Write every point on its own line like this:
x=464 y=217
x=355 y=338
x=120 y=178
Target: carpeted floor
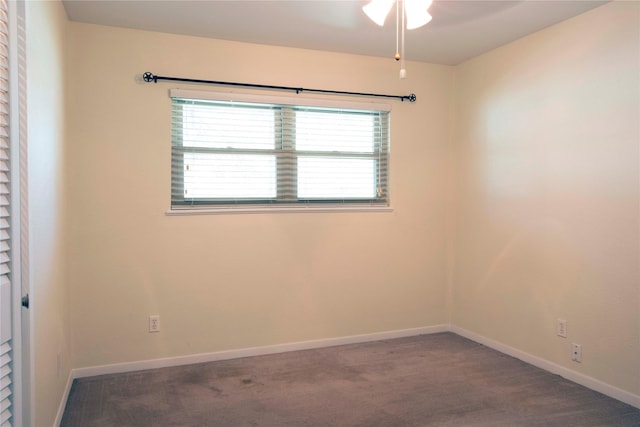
x=429 y=380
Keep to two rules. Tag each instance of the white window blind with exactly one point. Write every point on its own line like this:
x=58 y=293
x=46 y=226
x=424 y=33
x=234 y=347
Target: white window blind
x=6 y=389
x=235 y=154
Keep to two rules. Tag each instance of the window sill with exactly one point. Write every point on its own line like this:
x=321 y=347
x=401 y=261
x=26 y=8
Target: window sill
x=278 y=210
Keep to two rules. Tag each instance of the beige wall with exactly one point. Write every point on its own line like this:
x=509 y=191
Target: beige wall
x=235 y=281
x=547 y=133
x=514 y=185
x=45 y=35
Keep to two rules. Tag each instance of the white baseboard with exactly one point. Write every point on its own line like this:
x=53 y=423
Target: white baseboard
x=63 y=401
x=576 y=377
x=253 y=351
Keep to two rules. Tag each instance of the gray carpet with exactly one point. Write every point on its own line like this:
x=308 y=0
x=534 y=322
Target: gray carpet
x=429 y=380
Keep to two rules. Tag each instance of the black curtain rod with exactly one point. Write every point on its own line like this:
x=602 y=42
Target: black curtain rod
x=149 y=77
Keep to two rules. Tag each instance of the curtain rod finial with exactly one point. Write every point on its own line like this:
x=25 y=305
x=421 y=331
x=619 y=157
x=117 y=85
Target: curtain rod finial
x=149 y=77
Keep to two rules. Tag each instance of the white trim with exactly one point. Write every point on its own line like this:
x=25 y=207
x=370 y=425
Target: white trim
x=27 y=358
x=253 y=351
x=63 y=400
x=273 y=99
x=23 y=388
x=262 y=210
x=571 y=375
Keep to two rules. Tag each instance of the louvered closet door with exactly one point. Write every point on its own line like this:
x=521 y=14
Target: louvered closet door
x=5 y=248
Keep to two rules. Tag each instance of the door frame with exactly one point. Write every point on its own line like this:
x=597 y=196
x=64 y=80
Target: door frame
x=21 y=316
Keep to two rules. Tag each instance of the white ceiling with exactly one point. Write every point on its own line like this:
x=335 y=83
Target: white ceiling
x=459 y=30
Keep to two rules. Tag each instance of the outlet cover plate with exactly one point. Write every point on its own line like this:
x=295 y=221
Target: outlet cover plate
x=154 y=323
x=576 y=353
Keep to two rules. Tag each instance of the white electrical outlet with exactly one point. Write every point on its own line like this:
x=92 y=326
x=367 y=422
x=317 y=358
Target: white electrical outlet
x=154 y=323
x=576 y=353
x=562 y=328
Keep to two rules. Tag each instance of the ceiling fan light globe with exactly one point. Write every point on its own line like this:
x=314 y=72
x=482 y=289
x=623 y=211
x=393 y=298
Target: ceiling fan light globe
x=417 y=14
x=417 y=19
x=377 y=10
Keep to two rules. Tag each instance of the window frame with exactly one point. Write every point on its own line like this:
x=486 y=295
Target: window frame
x=282 y=202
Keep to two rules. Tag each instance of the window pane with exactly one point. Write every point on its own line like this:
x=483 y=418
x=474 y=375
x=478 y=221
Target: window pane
x=219 y=126
x=229 y=176
x=335 y=178
x=272 y=154
x=334 y=131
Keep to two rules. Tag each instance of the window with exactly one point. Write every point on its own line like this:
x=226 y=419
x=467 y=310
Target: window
x=257 y=154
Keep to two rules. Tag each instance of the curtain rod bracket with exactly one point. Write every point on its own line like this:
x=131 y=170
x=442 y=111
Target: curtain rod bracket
x=150 y=77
